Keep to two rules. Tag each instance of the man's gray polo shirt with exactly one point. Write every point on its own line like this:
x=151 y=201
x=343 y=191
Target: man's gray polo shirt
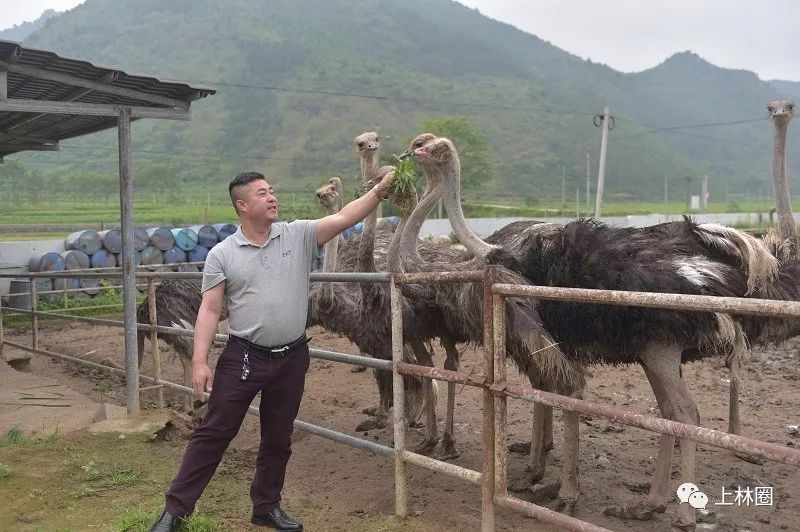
x=266 y=286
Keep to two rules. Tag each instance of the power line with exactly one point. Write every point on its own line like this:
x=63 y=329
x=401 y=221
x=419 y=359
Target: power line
x=691 y=126
x=383 y=97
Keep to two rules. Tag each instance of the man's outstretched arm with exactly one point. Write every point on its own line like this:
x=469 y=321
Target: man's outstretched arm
x=356 y=210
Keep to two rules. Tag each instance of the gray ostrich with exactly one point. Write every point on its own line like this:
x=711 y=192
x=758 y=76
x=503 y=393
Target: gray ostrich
x=680 y=257
x=338 y=308
x=177 y=304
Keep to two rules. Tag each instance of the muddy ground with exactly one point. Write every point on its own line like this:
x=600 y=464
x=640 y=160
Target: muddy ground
x=334 y=487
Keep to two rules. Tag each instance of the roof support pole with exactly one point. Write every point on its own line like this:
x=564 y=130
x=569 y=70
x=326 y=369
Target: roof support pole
x=3 y=84
x=128 y=268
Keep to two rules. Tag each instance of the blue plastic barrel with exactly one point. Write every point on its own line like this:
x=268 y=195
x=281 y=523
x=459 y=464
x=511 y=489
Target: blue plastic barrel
x=224 y=230
x=87 y=241
x=46 y=262
x=112 y=240
x=152 y=255
x=19 y=292
x=198 y=254
x=174 y=255
x=75 y=259
x=206 y=235
x=103 y=259
x=90 y=286
x=137 y=258
x=185 y=238
x=161 y=238
x=140 y=238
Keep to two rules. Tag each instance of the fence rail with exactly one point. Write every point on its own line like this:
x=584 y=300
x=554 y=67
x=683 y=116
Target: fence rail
x=495 y=388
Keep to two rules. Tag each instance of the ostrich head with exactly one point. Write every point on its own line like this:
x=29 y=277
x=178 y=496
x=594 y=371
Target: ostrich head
x=367 y=142
x=781 y=110
x=439 y=160
x=330 y=195
x=418 y=141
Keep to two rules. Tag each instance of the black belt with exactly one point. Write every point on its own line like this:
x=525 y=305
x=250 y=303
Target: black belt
x=278 y=351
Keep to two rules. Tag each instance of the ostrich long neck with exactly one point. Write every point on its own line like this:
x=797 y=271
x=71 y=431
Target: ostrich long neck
x=787 y=228
x=366 y=247
x=331 y=249
x=393 y=262
x=409 y=252
x=451 y=172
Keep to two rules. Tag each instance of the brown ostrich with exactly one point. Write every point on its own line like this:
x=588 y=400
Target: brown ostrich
x=532 y=349
x=680 y=257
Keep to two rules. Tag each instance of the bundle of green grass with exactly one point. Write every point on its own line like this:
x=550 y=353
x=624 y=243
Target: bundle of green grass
x=404 y=186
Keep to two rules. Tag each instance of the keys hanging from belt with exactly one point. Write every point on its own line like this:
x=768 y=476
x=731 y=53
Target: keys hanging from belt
x=245 y=367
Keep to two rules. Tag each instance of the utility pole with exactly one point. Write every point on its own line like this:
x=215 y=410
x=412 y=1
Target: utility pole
x=666 y=198
x=607 y=125
x=577 y=203
x=704 y=194
x=688 y=193
x=563 y=184
x=588 y=181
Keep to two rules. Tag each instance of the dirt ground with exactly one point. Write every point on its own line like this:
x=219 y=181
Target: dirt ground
x=335 y=487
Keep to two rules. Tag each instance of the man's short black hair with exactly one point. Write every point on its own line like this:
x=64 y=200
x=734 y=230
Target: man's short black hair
x=245 y=178
x=241 y=180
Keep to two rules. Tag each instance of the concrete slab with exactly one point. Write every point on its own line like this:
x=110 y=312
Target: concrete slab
x=40 y=405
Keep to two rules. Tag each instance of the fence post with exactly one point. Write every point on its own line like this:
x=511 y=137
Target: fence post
x=151 y=298
x=400 y=503
x=2 y=332
x=34 y=317
x=66 y=294
x=488 y=476
x=500 y=401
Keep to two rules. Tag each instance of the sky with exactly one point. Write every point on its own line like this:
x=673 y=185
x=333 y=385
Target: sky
x=627 y=35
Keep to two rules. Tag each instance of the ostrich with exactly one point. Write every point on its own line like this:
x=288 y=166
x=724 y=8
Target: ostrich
x=784 y=246
x=335 y=310
x=781 y=112
x=680 y=257
x=338 y=308
x=529 y=345
x=177 y=304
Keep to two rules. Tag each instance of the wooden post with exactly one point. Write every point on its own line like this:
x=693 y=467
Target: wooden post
x=34 y=317
x=151 y=299
x=128 y=267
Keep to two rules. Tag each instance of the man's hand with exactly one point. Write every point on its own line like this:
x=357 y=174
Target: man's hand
x=201 y=379
x=382 y=188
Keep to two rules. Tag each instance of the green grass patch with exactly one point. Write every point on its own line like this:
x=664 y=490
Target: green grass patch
x=15 y=437
x=5 y=471
x=137 y=519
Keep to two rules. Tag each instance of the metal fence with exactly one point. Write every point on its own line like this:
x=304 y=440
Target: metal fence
x=495 y=389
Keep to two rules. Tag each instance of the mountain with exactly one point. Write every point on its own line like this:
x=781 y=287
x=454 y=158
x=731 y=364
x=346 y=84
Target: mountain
x=298 y=79
x=789 y=88
x=19 y=32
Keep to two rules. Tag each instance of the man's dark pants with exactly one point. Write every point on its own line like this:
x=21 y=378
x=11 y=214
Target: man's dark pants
x=281 y=382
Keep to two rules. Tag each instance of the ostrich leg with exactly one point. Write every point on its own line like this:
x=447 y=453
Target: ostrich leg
x=662 y=367
x=570 y=488
x=425 y=358
x=448 y=448
x=734 y=362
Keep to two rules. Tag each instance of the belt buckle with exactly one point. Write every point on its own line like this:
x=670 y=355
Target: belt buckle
x=279 y=352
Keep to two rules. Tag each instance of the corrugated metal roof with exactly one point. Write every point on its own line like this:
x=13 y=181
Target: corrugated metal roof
x=20 y=130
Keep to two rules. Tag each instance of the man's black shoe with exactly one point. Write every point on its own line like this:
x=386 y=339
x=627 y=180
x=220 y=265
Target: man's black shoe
x=278 y=520
x=166 y=523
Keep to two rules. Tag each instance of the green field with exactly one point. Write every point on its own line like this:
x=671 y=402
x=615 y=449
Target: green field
x=52 y=219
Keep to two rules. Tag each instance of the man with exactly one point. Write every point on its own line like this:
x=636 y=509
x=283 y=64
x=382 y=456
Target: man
x=261 y=271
